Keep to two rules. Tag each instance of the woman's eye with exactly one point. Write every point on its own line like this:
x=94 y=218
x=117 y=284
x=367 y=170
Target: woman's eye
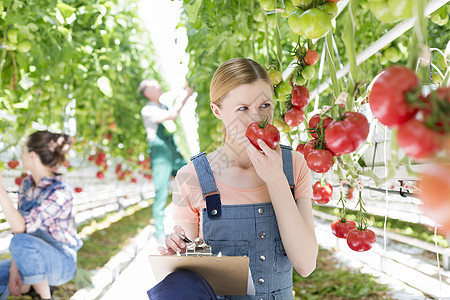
x=265 y=105
x=242 y=108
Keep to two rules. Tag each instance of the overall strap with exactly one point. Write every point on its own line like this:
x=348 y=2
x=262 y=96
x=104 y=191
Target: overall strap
x=288 y=167
x=208 y=184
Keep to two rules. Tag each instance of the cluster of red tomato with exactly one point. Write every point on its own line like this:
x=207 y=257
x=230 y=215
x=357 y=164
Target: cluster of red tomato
x=333 y=138
x=357 y=239
x=422 y=122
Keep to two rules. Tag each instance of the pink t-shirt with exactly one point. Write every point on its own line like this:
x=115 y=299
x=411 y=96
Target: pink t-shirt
x=188 y=201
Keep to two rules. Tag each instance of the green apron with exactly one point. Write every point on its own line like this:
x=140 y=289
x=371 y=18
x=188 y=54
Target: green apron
x=166 y=160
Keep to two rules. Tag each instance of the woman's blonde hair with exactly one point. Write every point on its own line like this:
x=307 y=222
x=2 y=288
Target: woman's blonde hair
x=233 y=73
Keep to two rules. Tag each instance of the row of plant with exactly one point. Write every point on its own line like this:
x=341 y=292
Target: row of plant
x=74 y=66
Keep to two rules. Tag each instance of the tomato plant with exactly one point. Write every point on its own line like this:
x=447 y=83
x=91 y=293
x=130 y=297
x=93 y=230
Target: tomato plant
x=347 y=135
x=264 y=131
x=317 y=126
x=341 y=228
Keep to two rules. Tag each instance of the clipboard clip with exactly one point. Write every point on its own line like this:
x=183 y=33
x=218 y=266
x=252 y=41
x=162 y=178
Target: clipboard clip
x=198 y=248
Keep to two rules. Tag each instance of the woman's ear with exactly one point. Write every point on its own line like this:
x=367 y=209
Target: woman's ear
x=215 y=110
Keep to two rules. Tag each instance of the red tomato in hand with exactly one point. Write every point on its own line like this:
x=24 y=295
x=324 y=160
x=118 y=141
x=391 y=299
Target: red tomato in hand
x=314 y=124
x=311 y=57
x=294 y=116
x=417 y=140
x=300 y=96
x=322 y=194
x=320 y=161
x=264 y=131
x=13 y=164
x=341 y=229
x=347 y=135
x=388 y=96
x=361 y=240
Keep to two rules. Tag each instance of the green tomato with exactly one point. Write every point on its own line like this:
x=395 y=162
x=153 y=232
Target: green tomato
x=288 y=8
x=301 y=3
x=282 y=90
x=314 y=23
x=268 y=5
x=401 y=9
x=438 y=20
x=308 y=72
x=392 y=54
x=295 y=23
x=381 y=11
x=300 y=80
x=441 y=63
x=12 y=35
x=281 y=124
x=330 y=8
x=271 y=20
x=436 y=78
x=24 y=46
x=275 y=75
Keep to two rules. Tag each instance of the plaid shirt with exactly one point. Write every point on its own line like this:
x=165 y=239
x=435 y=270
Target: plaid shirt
x=48 y=206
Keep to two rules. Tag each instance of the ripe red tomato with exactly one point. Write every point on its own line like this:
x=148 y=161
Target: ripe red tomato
x=300 y=147
x=387 y=99
x=435 y=193
x=300 y=96
x=100 y=175
x=133 y=180
x=309 y=146
x=78 y=189
x=18 y=180
x=320 y=161
x=341 y=229
x=13 y=164
x=322 y=194
x=347 y=135
x=264 y=131
x=350 y=193
x=361 y=240
x=315 y=122
x=311 y=57
x=417 y=140
x=294 y=116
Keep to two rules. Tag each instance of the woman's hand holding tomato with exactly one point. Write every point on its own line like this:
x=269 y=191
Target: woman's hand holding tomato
x=267 y=162
x=265 y=131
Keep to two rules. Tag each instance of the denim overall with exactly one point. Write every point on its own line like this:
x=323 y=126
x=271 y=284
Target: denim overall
x=248 y=230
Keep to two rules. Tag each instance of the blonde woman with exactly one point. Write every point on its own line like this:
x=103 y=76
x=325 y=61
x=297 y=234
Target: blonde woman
x=242 y=201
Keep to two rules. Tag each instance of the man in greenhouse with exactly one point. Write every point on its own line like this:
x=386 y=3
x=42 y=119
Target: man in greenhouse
x=166 y=160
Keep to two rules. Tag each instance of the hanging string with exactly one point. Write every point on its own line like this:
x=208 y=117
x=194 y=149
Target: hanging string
x=438 y=262
x=386 y=192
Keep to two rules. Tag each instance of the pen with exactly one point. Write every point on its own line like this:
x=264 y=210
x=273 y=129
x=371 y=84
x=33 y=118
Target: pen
x=185 y=239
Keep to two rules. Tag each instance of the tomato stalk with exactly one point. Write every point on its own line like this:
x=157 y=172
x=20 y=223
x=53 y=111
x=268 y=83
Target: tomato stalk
x=342 y=201
x=277 y=37
x=263 y=122
x=362 y=225
x=331 y=66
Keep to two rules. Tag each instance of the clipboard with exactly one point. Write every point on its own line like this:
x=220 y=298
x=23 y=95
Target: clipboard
x=227 y=275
